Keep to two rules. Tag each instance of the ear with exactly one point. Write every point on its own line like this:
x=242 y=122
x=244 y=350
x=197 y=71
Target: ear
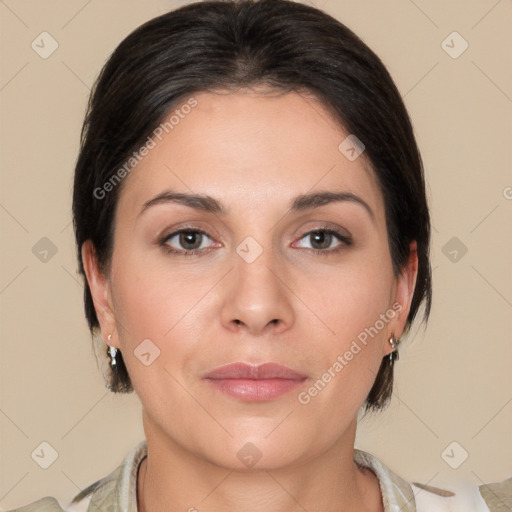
x=405 y=284
x=99 y=285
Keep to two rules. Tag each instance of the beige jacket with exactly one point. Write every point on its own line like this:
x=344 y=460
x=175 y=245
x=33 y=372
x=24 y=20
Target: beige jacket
x=117 y=492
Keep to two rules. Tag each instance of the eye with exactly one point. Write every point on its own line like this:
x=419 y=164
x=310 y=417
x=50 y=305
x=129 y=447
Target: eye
x=185 y=241
x=326 y=241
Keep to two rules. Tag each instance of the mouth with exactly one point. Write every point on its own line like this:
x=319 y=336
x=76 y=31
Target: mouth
x=254 y=383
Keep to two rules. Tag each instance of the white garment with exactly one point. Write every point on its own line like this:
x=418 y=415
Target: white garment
x=467 y=499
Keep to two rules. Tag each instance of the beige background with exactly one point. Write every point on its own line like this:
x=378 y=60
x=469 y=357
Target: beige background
x=454 y=379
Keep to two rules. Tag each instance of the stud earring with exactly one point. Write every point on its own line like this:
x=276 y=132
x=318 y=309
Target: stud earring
x=393 y=356
x=112 y=352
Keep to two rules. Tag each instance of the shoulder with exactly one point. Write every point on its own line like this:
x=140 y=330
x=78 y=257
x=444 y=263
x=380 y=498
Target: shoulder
x=465 y=496
x=498 y=495
x=452 y=496
x=47 y=504
x=397 y=494
x=116 y=491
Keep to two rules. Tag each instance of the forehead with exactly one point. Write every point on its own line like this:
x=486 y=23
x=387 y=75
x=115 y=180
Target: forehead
x=249 y=147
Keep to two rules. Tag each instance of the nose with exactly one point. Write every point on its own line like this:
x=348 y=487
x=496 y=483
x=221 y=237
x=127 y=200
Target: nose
x=257 y=297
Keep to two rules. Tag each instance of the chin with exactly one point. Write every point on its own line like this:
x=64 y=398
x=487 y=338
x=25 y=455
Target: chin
x=254 y=450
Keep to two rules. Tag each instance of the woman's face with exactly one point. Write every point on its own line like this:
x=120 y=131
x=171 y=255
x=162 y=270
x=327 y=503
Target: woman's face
x=264 y=271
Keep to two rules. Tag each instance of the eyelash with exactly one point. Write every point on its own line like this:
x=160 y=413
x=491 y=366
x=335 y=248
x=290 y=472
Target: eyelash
x=346 y=241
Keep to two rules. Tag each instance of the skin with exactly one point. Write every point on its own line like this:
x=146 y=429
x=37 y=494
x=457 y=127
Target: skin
x=254 y=152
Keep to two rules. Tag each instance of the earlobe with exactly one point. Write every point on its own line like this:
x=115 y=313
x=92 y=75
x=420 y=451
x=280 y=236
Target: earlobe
x=100 y=287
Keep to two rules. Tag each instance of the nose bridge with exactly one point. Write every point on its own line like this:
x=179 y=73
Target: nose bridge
x=257 y=296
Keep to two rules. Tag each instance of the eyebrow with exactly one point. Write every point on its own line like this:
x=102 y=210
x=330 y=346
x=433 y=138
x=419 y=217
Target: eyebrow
x=317 y=199
x=300 y=203
x=197 y=201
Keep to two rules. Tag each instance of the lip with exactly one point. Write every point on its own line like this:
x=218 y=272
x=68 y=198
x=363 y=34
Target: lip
x=241 y=370
x=254 y=383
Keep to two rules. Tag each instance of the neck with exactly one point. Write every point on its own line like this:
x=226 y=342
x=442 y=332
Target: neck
x=173 y=479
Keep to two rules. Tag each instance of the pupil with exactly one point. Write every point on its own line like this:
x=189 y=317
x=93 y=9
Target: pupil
x=190 y=240
x=323 y=239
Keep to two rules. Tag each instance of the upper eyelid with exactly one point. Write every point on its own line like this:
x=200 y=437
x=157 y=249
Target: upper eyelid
x=341 y=234
x=166 y=234
x=342 y=238
x=176 y=232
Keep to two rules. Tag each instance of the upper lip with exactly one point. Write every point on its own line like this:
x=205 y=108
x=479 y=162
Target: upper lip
x=241 y=370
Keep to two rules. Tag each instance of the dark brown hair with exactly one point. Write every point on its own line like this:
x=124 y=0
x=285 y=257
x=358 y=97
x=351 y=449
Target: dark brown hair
x=215 y=45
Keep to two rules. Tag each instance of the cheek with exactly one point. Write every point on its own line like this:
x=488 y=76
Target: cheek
x=348 y=357
x=151 y=297
x=352 y=297
x=155 y=310
x=355 y=303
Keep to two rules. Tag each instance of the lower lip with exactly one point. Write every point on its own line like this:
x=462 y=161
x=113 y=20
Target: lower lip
x=252 y=390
